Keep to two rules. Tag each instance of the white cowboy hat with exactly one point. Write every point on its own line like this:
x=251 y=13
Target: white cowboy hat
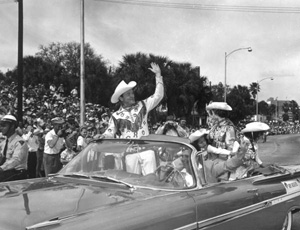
x=57 y=120
x=219 y=105
x=38 y=131
x=197 y=134
x=255 y=126
x=121 y=88
x=9 y=118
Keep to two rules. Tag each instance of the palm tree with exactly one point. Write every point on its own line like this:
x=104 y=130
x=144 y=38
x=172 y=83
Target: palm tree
x=183 y=86
x=254 y=89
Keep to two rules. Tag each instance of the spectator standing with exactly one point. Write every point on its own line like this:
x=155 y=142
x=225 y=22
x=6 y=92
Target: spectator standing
x=130 y=121
x=52 y=88
x=39 y=154
x=184 y=126
x=81 y=140
x=61 y=90
x=32 y=142
x=74 y=92
x=54 y=145
x=171 y=128
x=14 y=151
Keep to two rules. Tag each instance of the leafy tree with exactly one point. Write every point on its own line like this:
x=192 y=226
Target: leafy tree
x=36 y=71
x=2 y=76
x=285 y=107
x=240 y=100
x=218 y=92
x=64 y=62
x=263 y=108
x=183 y=87
x=294 y=109
x=271 y=111
x=285 y=117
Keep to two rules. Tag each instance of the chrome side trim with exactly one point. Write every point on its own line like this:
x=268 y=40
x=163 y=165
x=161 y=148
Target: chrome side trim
x=188 y=227
x=244 y=211
x=43 y=224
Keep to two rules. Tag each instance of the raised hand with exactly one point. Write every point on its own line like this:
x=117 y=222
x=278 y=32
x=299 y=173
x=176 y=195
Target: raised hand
x=155 y=68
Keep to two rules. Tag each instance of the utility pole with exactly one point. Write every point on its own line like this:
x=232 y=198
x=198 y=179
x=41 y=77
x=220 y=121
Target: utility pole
x=82 y=66
x=20 y=63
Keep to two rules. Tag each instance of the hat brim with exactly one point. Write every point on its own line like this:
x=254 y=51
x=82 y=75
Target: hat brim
x=57 y=121
x=255 y=127
x=197 y=134
x=121 y=88
x=219 y=105
x=8 y=118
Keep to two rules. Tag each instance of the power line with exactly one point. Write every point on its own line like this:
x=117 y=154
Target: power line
x=235 y=8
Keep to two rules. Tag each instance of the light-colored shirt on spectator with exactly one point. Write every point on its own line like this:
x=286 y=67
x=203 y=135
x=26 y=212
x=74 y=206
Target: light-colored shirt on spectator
x=32 y=141
x=52 y=137
x=16 y=154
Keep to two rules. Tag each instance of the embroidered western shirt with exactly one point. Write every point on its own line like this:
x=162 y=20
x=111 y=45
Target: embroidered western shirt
x=132 y=123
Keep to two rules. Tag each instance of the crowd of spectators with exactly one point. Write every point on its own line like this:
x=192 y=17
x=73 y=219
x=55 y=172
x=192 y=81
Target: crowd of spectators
x=41 y=104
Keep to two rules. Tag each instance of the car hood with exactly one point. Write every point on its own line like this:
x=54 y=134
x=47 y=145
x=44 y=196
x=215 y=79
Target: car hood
x=30 y=202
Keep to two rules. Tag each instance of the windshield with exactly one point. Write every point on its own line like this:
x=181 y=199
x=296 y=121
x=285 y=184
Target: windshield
x=137 y=162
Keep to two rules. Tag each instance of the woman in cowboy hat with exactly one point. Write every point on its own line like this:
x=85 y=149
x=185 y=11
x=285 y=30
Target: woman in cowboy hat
x=252 y=133
x=222 y=134
x=130 y=121
x=212 y=168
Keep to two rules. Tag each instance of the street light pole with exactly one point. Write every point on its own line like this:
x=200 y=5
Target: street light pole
x=276 y=114
x=20 y=63
x=257 y=94
x=82 y=65
x=226 y=56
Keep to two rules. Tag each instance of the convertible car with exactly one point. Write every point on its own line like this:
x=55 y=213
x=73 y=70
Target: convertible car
x=150 y=183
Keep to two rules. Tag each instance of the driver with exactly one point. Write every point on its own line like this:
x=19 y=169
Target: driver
x=14 y=151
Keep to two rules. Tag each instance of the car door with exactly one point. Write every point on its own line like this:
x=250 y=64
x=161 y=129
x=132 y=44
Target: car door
x=223 y=205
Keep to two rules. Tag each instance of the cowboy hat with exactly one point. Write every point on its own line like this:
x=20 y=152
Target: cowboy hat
x=58 y=120
x=255 y=126
x=219 y=105
x=197 y=134
x=9 y=118
x=38 y=131
x=121 y=88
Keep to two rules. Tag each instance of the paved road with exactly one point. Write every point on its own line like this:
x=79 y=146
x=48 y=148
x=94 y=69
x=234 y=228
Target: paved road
x=282 y=150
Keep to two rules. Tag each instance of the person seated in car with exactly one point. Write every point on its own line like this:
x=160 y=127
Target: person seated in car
x=215 y=167
x=183 y=165
x=223 y=134
x=179 y=159
x=13 y=151
x=252 y=133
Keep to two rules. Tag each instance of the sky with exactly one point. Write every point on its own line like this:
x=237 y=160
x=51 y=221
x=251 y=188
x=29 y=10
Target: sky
x=199 y=32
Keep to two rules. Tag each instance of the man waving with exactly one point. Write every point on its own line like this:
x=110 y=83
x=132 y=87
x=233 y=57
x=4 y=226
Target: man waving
x=130 y=121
